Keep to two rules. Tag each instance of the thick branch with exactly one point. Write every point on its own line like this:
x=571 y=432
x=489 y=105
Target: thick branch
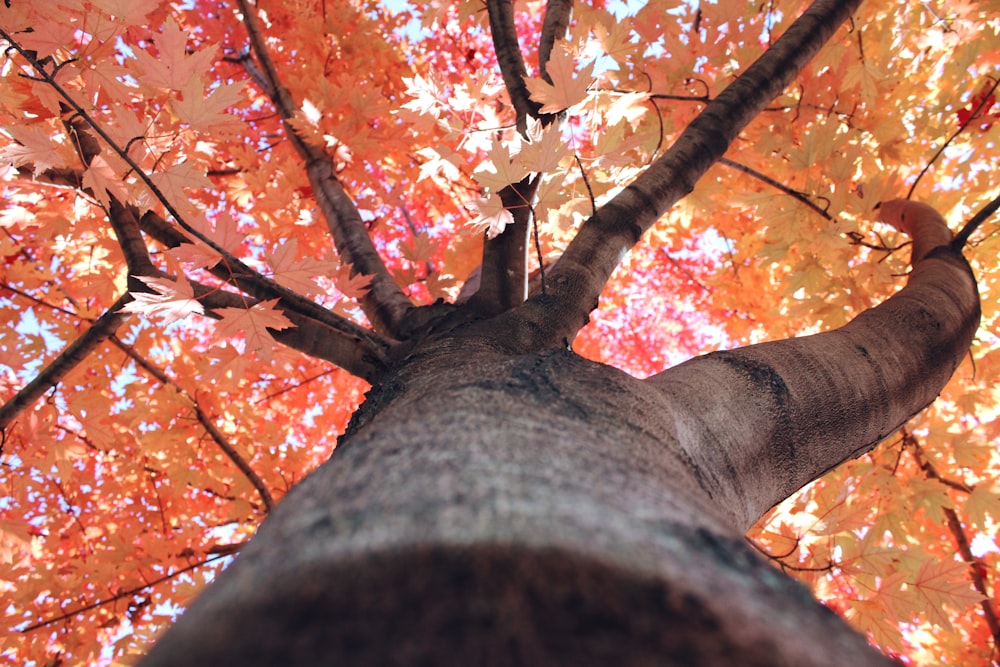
x=504 y=276
x=236 y=271
x=503 y=282
x=124 y=220
x=318 y=332
x=385 y=304
x=579 y=277
x=554 y=26
x=508 y=51
x=68 y=359
x=760 y=422
x=309 y=336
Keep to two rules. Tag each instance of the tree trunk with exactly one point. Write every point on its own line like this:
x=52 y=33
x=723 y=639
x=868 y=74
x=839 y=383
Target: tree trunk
x=487 y=508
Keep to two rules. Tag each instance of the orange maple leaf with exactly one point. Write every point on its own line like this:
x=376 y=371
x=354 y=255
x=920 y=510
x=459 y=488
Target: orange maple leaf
x=297 y=274
x=252 y=324
x=940 y=583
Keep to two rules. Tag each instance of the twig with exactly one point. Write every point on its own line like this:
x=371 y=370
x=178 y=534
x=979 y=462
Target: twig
x=122 y=595
x=800 y=196
x=940 y=151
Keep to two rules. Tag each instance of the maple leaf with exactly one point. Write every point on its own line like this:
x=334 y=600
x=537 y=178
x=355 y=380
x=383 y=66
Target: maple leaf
x=103 y=182
x=352 y=286
x=629 y=107
x=172 y=68
x=426 y=93
x=252 y=324
x=128 y=11
x=297 y=274
x=550 y=195
x=174 y=182
x=507 y=169
x=36 y=145
x=195 y=254
x=491 y=217
x=983 y=504
x=980 y=105
x=566 y=89
x=205 y=111
x=944 y=583
x=545 y=149
x=48 y=37
x=171 y=300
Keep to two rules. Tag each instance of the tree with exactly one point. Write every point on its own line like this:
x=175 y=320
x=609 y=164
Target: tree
x=224 y=221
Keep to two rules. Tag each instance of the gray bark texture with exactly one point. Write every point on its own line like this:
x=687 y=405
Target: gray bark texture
x=501 y=507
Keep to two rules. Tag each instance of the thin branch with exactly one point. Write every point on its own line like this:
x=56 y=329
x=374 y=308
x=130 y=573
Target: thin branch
x=800 y=196
x=213 y=431
x=975 y=573
x=124 y=594
x=586 y=184
x=940 y=151
x=958 y=532
x=385 y=304
x=979 y=218
x=68 y=359
x=537 y=240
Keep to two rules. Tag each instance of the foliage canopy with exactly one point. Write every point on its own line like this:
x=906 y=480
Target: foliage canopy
x=142 y=468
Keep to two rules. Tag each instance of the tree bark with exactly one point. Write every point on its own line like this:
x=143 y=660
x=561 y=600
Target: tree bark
x=494 y=505
x=495 y=509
